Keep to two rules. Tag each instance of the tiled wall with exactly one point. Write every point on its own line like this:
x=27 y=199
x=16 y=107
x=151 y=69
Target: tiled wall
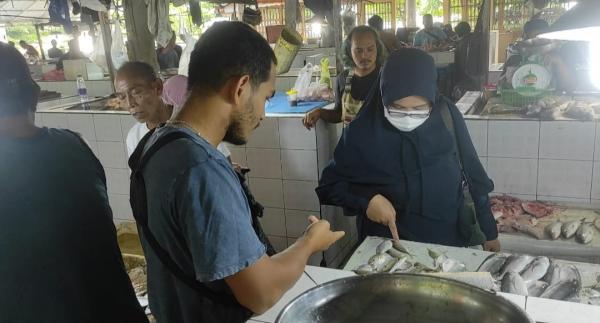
x=106 y=135
x=285 y=165
x=545 y=160
x=67 y=88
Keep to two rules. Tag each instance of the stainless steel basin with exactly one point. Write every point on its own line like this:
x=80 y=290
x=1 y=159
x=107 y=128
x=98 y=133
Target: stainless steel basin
x=406 y=298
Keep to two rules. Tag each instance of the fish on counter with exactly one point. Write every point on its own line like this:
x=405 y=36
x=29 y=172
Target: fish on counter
x=513 y=283
x=493 y=264
x=553 y=230
x=585 y=233
x=530 y=230
x=536 y=270
x=562 y=290
x=536 y=288
x=570 y=228
x=515 y=264
x=381 y=262
x=384 y=246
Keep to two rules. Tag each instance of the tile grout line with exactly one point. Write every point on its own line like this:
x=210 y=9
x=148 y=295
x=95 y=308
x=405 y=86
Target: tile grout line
x=593 y=162
x=537 y=177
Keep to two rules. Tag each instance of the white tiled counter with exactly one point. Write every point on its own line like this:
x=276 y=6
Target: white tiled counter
x=68 y=88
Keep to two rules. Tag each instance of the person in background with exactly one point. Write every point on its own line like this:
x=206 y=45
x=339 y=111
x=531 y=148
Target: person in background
x=387 y=38
x=59 y=249
x=54 y=52
x=364 y=54
x=175 y=93
x=197 y=212
x=30 y=51
x=430 y=37
x=450 y=34
x=169 y=56
x=11 y=43
x=397 y=167
x=73 y=53
x=462 y=29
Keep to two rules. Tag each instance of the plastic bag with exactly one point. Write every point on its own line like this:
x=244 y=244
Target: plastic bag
x=190 y=42
x=118 y=52
x=302 y=85
x=98 y=56
x=325 y=75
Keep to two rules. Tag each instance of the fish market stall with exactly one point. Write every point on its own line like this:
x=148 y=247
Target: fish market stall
x=525 y=275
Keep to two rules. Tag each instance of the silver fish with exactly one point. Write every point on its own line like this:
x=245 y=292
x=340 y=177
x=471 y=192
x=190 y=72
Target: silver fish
x=396 y=253
x=561 y=290
x=493 y=264
x=514 y=284
x=380 y=261
x=449 y=265
x=569 y=228
x=561 y=272
x=553 y=230
x=515 y=263
x=535 y=289
x=398 y=246
x=597 y=224
x=536 y=269
x=384 y=246
x=585 y=233
x=400 y=265
x=364 y=269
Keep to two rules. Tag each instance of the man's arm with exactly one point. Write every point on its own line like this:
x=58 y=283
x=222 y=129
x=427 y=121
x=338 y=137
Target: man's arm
x=259 y=286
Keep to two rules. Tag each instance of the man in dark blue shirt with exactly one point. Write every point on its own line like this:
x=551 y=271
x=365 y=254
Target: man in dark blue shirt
x=59 y=256
x=197 y=210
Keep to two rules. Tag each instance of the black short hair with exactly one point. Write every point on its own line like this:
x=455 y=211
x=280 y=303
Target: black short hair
x=22 y=42
x=18 y=91
x=376 y=22
x=537 y=24
x=462 y=28
x=226 y=50
x=347 y=46
x=139 y=70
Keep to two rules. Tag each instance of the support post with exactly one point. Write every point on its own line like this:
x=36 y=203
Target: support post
x=39 y=38
x=291 y=10
x=446 y=9
x=107 y=40
x=411 y=13
x=337 y=34
x=501 y=15
x=140 y=42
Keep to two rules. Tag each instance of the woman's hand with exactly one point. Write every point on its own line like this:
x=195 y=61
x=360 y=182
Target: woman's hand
x=311 y=118
x=492 y=245
x=380 y=210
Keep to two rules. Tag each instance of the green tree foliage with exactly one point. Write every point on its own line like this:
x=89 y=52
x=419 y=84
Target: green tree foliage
x=432 y=7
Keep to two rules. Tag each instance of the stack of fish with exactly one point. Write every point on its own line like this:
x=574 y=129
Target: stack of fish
x=533 y=276
x=583 y=232
x=392 y=257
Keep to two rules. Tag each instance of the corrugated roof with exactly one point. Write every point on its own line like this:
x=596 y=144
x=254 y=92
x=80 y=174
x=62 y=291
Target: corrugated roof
x=23 y=11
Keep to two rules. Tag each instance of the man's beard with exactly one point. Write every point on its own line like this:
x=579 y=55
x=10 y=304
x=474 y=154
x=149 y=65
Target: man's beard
x=234 y=133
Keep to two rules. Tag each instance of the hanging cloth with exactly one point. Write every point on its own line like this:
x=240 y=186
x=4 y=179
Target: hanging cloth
x=59 y=13
x=350 y=106
x=158 y=21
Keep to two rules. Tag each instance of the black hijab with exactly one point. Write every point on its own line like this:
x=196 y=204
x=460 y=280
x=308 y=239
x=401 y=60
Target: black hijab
x=423 y=162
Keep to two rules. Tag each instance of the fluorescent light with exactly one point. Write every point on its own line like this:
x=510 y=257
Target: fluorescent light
x=579 y=34
x=582 y=22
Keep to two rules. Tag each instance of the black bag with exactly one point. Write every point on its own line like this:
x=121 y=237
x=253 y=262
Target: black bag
x=467 y=218
x=252 y=16
x=226 y=307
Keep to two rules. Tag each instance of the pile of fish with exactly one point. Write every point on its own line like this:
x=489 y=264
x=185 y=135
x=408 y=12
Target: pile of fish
x=533 y=276
x=583 y=232
x=392 y=257
x=555 y=107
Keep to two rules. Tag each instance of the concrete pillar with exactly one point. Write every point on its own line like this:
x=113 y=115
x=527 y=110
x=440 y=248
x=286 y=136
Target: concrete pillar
x=291 y=10
x=140 y=42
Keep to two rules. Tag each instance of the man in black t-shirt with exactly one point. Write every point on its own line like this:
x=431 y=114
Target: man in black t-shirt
x=363 y=53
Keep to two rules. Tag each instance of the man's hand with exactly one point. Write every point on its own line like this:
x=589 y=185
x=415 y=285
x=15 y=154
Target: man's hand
x=319 y=235
x=492 y=245
x=311 y=118
x=380 y=210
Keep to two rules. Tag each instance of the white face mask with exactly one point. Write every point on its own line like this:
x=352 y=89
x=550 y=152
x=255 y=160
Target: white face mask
x=406 y=123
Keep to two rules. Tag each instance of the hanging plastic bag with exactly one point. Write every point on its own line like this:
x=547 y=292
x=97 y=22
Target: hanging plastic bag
x=190 y=42
x=95 y=5
x=303 y=81
x=98 y=56
x=118 y=52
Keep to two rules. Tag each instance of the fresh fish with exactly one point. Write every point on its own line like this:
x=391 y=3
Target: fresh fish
x=434 y=254
x=561 y=272
x=493 y=264
x=449 y=265
x=380 y=262
x=530 y=230
x=384 y=246
x=398 y=246
x=400 y=265
x=553 y=230
x=536 y=269
x=364 y=269
x=515 y=263
x=535 y=289
x=561 y=290
x=585 y=233
x=569 y=228
x=514 y=284
x=396 y=253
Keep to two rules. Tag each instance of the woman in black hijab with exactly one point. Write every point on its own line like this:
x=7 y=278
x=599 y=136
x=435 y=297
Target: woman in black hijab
x=397 y=169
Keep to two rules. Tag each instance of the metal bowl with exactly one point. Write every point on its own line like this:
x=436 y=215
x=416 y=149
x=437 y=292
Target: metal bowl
x=406 y=298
